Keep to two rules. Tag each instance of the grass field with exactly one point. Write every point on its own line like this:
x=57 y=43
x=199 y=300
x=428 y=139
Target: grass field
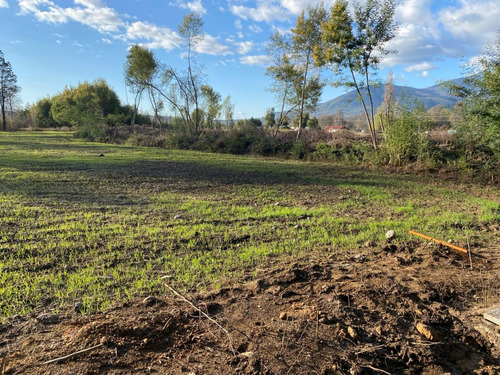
x=101 y=224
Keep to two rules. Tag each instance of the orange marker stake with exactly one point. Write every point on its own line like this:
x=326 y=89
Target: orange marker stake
x=451 y=246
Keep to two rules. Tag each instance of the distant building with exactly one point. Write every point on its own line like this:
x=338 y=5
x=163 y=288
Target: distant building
x=333 y=129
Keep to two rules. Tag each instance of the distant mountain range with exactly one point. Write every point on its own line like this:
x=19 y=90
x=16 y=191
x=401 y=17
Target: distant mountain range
x=350 y=105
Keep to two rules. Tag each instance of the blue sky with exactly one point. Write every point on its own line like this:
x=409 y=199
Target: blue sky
x=54 y=43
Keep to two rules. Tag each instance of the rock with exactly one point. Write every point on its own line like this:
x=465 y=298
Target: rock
x=428 y=332
x=177 y=217
x=48 y=318
x=283 y=316
x=389 y=234
x=352 y=332
x=360 y=258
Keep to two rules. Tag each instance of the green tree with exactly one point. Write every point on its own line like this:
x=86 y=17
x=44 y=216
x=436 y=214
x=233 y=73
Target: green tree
x=212 y=105
x=8 y=88
x=141 y=69
x=88 y=104
x=295 y=80
x=283 y=76
x=228 y=111
x=181 y=90
x=356 y=43
x=41 y=113
x=478 y=127
x=306 y=38
x=270 y=118
x=406 y=134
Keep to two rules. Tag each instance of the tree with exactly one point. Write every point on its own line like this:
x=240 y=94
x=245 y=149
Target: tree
x=88 y=104
x=140 y=70
x=284 y=77
x=228 y=111
x=212 y=105
x=295 y=81
x=479 y=126
x=356 y=43
x=306 y=37
x=181 y=90
x=8 y=87
x=270 y=118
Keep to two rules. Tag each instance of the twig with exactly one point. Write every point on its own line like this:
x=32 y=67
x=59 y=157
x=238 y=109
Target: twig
x=377 y=369
x=205 y=315
x=370 y=349
x=4 y=364
x=73 y=354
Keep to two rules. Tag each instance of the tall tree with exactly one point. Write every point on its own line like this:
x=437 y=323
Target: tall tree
x=140 y=70
x=306 y=37
x=479 y=125
x=8 y=87
x=284 y=77
x=356 y=43
x=212 y=104
x=228 y=111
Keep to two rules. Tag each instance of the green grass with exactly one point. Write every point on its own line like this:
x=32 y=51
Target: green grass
x=77 y=227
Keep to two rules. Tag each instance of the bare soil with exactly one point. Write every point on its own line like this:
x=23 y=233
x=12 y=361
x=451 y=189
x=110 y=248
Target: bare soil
x=411 y=309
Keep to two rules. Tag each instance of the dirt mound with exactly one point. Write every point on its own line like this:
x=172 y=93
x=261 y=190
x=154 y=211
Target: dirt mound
x=411 y=309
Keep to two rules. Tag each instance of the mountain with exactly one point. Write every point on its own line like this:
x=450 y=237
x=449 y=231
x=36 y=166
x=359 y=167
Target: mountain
x=351 y=106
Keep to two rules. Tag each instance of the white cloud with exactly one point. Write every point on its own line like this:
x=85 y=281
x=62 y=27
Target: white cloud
x=194 y=6
x=255 y=29
x=4 y=4
x=472 y=21
x=107 y=41
x=265 y=12
x=157 y=37
x=238 y=25
x=260 y=60
x=211 y=46
x=421 y=67
x=93 y=13
x=453 y=31
x=245 y=47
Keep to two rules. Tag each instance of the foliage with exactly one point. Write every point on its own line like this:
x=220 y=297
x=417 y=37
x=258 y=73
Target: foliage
x=406 y=134
x=212 y=106
x=478 y=129
x=8 y=88
x=87 y=105
x=356 y=43
x=295 y=82
x=140 y=71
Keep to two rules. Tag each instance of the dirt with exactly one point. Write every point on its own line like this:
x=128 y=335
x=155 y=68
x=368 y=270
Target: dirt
x=408 y=309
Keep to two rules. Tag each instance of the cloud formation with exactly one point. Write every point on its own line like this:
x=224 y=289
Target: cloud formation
x=4 y=4
x=259 y=60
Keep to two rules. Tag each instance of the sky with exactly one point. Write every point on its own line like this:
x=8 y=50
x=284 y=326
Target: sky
x=56 y=43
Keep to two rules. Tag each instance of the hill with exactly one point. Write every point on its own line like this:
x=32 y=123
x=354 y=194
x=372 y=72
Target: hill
x=351 y=106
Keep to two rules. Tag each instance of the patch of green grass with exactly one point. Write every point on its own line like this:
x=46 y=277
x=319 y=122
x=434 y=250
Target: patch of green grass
x=79 y=227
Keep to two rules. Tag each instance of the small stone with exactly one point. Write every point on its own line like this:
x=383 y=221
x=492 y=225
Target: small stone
x=48 y=318
x=277 y=204
x=428 y=332
x=389 y=234
x=177 y=217
x=360 y=258
x=352 y=332
x=283 y=316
